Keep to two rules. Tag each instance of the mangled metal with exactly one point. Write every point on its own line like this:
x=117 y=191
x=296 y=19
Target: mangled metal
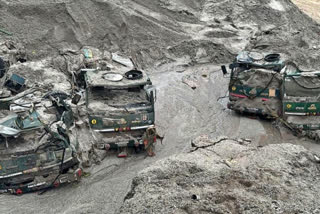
x=29 y=163
x=35 y=155
x=15 y=83
x=270 y=87
x=120 y=106
x=38 y=131
x=255 y=82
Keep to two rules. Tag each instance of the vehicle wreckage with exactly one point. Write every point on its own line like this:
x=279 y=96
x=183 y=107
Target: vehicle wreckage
x=301 y=103
x=31 y=163
x=36 y=150
x=255 y=83
x=33 y=155
x=119 y=101
x=120 y=106
x=265 y=85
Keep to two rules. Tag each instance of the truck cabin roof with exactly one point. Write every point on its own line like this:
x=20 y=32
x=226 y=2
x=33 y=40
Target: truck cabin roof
x=293 y=70
x=116 y=79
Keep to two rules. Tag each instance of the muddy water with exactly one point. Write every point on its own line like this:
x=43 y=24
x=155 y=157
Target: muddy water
x=182 y=114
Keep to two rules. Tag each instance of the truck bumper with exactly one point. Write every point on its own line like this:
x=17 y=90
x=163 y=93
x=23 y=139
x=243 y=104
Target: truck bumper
x=250 y=111
x=53 y=181
x=131 y=128
x=116 y=146
x=45 y=178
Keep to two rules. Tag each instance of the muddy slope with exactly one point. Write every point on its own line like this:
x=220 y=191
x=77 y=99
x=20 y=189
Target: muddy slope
x=161 y=30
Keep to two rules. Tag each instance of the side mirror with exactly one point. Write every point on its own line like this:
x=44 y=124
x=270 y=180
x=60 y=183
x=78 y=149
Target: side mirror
x=224 y=70
x=152 y=92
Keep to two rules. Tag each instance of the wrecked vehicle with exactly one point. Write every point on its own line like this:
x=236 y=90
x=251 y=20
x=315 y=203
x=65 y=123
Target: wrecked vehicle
x=268 y=87
x=120 y=106
x=13 y=124
x=301 y=104
x=255 y=84
x=34 y=157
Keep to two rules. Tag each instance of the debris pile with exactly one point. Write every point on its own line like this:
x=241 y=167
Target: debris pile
x=79 y=94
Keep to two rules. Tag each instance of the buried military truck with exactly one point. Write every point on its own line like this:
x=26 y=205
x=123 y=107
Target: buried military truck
x=255 y=84
x=32 y=156
x=120 y=106
x=301 y=102
x=266 y=86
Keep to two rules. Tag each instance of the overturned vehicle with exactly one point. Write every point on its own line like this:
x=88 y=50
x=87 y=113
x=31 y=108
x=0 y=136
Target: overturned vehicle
x=255 y=84
x=120 y=106
x=33 y=157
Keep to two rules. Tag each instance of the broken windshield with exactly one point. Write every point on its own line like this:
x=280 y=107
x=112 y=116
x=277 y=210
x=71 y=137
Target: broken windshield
x=132 y=97
x=19 y=122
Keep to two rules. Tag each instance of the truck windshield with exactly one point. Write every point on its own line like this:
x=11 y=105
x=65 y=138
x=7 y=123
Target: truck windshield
x=133 y=97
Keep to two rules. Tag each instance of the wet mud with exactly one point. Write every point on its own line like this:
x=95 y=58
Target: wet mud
x=181 y=45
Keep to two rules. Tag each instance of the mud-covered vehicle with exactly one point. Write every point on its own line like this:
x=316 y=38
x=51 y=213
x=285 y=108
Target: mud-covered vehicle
x=301 y=102
x=266 y=86
x=255 y=84
x=33 y=157
x=120 y=106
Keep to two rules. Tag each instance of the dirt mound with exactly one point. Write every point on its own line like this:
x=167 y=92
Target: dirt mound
x=147 y=29
x=50 y=25
x=228 y=176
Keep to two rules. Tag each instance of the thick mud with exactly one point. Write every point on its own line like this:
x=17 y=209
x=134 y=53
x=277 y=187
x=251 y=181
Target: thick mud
x=213 y=179
x=181 y=44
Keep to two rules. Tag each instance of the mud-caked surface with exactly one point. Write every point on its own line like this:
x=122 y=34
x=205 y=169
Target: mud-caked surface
x=162 y=30
x=181 y=44
x=229 y=176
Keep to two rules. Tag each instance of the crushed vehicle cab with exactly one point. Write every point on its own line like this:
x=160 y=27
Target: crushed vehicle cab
x=33 y=157
x=120 y=106
x=301 y=103
x=255 y=84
